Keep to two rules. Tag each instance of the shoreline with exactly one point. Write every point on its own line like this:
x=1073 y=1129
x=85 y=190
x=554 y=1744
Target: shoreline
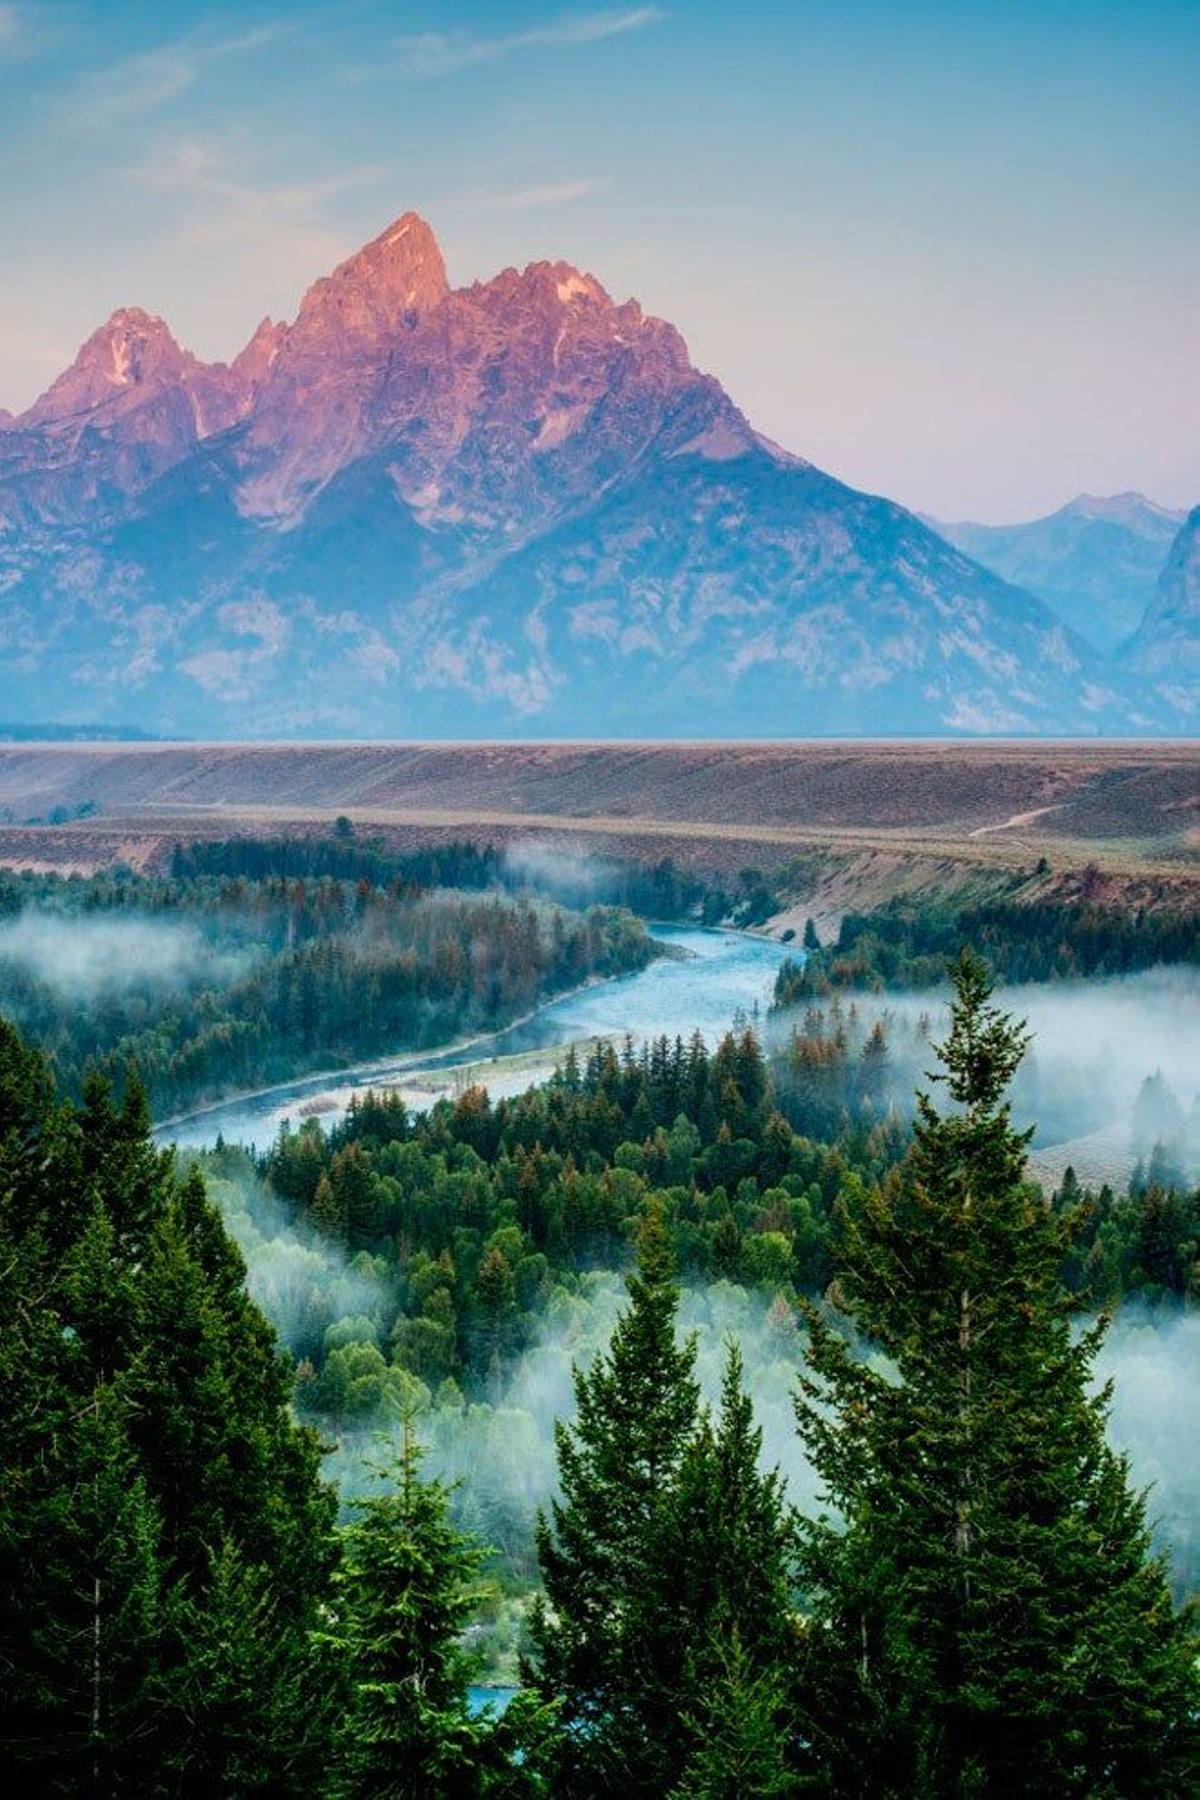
x=395 y=1061
x=419 y=1063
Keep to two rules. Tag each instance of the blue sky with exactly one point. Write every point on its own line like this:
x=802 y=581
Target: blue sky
x=950 y=252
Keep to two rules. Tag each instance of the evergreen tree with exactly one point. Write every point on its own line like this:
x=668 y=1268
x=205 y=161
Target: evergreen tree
x=986 y=1618
x=741 y=1728
x=258 y=1703
x=602 y=1646
x=724 y=1592
x=403 y=1600
x=405 y=1594
x=144 y=1425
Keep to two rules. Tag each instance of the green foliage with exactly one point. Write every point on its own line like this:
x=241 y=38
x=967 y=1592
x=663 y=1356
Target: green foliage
x=152 y=1476
x=668 y=1545
x=985 y=1616
x=908 y=946
x=659 y=890
x=742 y=1724
x=724 y=1586
x=488 y=1210
x=403 y=1599
x=217 y=983
x=601 y=1644
x=404 y=1595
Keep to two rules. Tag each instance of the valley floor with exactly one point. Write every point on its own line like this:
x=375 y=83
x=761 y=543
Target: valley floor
x=852 y=823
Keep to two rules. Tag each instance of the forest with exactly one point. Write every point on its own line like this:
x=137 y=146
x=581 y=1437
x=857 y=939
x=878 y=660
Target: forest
x=971 y=1606
x=735 y=1402
x=211 y=983
x=906 y=945
x=444 y=1258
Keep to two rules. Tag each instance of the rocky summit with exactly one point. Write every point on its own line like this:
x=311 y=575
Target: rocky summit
x=514 y=508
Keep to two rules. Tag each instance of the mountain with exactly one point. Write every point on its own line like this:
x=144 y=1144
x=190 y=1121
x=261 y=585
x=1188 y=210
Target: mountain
x=1095 y=561
x=1166 y=645
x=514 y=508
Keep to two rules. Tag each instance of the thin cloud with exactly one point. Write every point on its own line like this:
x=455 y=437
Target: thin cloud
x=24 y=32
x=219 y=207
x=152 y=79
x=427 y=54
x=551 y=193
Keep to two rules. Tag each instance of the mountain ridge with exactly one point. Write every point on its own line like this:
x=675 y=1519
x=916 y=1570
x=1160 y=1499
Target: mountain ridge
x=513 y=506
x=1095 y=560
x=1166 y=645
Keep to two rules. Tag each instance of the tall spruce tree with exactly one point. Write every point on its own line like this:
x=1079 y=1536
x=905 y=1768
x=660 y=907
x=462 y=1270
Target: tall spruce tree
x=403 y=1598
x=602 y=1646
x=725 y=1592
x=670 y=1545
x=741 y=1727
x=151 y=1478
x=986 y=1616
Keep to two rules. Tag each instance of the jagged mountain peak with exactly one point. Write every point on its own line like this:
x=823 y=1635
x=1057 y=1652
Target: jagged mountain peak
x=560 y=281
x=390 y=282
x=133 y=349
x=509 y=505
x=253 y=361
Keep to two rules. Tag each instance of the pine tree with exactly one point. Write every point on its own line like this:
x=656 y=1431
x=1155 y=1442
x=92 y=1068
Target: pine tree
x=986 y=1617
x=723 y=1587
x=144 y=1423
x=741 y=1728
x=250 y=1707
x=405 y=1593
x=602 y=1648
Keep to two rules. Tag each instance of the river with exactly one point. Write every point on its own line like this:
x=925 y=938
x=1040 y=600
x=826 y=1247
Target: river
x=719 y=975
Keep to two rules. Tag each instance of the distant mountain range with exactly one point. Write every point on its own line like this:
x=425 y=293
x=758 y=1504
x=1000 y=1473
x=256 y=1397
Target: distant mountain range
x=512 y=509
x=1096 y=561
x=1166 y=647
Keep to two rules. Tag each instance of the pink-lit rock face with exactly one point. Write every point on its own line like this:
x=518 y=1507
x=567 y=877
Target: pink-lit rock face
x=515 y=506
x=131 y=406
x=488 y=402
x=500 y=398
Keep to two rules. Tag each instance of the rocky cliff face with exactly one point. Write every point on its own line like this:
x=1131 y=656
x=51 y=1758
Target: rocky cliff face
x=131 y=405
x=514 y=507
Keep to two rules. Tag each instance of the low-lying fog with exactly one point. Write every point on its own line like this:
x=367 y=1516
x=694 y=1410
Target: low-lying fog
x=506 y=1446
x=97 y=958
x=1118 y=1057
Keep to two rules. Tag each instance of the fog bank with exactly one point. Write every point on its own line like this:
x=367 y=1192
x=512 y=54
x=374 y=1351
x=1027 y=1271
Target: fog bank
x=93 y=958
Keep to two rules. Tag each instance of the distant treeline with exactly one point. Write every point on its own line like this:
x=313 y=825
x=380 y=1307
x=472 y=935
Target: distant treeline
x=907 y=946
x=340 y=855
x=657 y=890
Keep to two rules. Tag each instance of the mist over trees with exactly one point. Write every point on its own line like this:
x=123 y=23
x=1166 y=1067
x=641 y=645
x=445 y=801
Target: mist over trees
x=235 y=1561
x=212 y=983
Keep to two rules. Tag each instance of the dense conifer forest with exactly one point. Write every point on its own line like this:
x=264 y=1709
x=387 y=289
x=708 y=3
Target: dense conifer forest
x=300 y=1445
x=907 y=946
x=972 y=1605
x=210 y=983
